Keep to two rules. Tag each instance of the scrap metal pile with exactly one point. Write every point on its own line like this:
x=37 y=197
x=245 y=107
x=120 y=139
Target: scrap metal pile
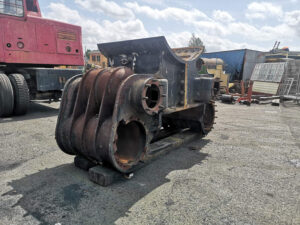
x=110 y=116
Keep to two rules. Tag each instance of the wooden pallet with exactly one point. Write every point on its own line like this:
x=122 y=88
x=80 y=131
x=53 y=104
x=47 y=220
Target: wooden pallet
x=106 y=176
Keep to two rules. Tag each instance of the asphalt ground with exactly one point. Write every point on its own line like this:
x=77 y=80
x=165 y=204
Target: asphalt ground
x=246 y=171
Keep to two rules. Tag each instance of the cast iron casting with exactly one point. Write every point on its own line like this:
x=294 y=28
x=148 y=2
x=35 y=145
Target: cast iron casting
x=110 y=116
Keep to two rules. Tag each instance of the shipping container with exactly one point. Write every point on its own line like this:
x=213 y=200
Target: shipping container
x=239 y=64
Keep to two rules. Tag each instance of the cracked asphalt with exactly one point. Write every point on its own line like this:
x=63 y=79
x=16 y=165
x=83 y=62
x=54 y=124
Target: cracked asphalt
x=246 y=171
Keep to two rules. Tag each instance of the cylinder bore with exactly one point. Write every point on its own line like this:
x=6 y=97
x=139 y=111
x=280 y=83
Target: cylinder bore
x=152 y=96
x=130 y=143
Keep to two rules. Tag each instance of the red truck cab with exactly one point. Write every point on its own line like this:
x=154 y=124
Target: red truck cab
x=30 y=49
x=27 y=38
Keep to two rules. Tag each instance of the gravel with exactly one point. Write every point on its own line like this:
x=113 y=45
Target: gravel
x=246 y=171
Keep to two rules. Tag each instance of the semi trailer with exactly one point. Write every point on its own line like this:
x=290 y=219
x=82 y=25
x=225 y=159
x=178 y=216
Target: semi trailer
x=31 y=50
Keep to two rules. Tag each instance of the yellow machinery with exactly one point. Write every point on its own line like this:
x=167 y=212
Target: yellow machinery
x=215 y=66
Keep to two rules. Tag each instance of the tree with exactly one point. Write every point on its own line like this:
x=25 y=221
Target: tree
x=87 y=53
x=195 y=41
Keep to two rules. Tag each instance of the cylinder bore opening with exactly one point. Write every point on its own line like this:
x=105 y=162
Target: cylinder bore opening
x=153 y=95
x=130 y=143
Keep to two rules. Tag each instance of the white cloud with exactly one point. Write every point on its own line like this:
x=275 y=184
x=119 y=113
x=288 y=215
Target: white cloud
x=263 y=10
x=244 y=31
x=262 y=34
x=222 y=16
x=177 y=40
x=292 y=19
x=58 y=11
x=154 y=2
x=211 y=27
x=222 y=24
x=212 y=43
x=167 y=13
x=220 y=32
x=110 y=8
x=93 y=32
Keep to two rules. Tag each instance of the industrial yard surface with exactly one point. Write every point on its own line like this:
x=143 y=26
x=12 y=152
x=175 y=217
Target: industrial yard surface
x=246 y=171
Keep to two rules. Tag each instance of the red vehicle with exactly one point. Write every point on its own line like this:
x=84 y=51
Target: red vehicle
x=30 y=48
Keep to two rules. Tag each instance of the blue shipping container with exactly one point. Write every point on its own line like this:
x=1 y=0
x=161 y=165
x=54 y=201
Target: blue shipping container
x=239 y=64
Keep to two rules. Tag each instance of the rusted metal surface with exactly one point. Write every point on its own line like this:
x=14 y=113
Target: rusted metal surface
x=188 y=53
x=110 y=116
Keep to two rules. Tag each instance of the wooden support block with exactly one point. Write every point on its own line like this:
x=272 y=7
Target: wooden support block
x=104 y=176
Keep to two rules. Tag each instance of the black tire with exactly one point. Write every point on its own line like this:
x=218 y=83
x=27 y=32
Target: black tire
x=21 y=93
x=6 y=96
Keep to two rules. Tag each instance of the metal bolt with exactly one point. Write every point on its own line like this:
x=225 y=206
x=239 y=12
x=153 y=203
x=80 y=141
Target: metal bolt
x=145 y=98
x=147 y=85
x=128 y=176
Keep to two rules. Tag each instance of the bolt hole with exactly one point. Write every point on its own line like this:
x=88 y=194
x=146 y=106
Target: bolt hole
x=68 y=49
x=20 y=45
x=153 y=95
x=8 y=45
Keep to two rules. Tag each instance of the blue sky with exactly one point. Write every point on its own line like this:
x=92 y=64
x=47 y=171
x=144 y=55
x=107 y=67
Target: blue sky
x=222 y=25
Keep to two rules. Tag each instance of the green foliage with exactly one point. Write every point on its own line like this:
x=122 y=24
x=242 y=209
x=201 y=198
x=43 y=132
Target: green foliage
x=195 y=41
x=87 y=53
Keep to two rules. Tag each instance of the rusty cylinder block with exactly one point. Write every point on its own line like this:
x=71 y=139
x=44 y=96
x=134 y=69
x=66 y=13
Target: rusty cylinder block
x=110 y=116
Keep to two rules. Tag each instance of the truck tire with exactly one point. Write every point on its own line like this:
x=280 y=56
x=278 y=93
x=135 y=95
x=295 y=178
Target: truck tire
x=21 y=93
x=6 y=96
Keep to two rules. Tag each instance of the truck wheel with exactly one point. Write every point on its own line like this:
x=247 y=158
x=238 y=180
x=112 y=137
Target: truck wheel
x=6 y=96
x=21 y=93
